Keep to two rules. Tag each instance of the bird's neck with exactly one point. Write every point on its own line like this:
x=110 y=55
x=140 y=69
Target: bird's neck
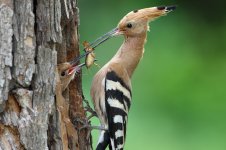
x=130 y=53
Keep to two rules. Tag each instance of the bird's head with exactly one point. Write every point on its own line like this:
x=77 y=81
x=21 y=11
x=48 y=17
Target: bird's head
x=136 y=22
x=67 y=72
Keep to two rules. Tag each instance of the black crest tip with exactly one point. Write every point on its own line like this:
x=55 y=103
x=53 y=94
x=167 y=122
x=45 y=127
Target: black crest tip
x=135 y=11
x=170 y=8
x=161 y=7
x=167 y=8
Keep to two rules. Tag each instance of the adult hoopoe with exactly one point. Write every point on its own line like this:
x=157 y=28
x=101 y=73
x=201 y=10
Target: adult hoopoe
x=111 y=87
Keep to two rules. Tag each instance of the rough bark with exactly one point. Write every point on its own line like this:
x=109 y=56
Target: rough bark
x=36 y=35
x=6 y=32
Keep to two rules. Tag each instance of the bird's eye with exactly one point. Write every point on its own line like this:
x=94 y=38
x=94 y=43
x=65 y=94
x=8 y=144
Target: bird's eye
x=63 y=73
x=129 y=25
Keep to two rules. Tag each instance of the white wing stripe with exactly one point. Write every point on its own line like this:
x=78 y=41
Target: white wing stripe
x=115 y=103
x=120 y=146
x=118 y=119
x=112 y=85
x=119 y=133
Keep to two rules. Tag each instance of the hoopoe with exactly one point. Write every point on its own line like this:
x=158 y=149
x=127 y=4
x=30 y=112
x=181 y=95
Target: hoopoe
x=111 y=86
x=65 y=72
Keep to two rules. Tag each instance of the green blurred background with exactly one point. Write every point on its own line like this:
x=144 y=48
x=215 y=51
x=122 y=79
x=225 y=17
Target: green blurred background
x=179 y=88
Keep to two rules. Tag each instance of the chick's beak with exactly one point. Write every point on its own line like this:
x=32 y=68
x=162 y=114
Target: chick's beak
x=75 y=69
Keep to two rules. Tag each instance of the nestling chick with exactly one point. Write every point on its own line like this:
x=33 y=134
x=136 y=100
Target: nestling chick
x=67 y=72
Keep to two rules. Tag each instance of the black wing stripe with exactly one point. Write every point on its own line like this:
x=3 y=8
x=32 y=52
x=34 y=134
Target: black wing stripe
x=116 y=94
x=120 y=140
x=106 y=139
x=114 y=77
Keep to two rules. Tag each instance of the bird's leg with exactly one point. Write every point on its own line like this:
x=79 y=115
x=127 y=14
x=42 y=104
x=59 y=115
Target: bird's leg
x=92 y=127
x=87 y=125
x=89 y=109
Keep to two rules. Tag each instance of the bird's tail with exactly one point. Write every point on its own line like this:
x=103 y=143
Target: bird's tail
x=104 y=140
x=118 y=135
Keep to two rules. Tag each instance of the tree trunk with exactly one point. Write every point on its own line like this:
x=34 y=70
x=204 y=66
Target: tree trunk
x=36 y=35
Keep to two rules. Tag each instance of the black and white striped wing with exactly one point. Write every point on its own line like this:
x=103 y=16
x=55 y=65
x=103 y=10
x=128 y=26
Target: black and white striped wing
x=117 y=102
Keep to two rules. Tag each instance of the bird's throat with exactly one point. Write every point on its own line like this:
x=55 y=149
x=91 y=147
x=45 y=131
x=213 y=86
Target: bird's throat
x=130 y=53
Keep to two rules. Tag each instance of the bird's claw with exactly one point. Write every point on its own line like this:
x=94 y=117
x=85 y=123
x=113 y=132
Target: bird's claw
x=92 y=127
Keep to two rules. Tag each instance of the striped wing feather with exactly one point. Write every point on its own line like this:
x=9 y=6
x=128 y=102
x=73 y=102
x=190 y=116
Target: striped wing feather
x=117 y=102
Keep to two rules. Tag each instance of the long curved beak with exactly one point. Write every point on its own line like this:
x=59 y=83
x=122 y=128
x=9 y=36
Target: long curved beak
x=95 y=43
x=150 y=13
